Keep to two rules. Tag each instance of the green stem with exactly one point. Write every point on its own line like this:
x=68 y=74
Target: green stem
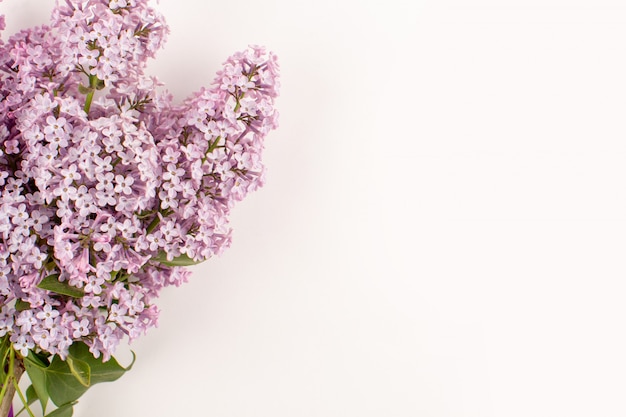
x=24 y=401
x=88 y=101
x=211 y=148
x=7 y=379
x=155 y=222
x=213 y=145
x=14 y=373
x=93 y=83
x=238 y=103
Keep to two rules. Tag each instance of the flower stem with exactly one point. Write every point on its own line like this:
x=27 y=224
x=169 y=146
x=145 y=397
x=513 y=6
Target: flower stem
x=88 y=101
x=14 y=373
x=154 y=223
x=93 y=83
x=24 y=401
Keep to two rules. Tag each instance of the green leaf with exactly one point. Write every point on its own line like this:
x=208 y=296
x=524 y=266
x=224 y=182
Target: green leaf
x=52 y=283
x=80 y=369
x=21 y=305
x=66 y=410
x=114 y=275
x=182 y=260
x=100 y=371
x=84 y=90
x=37 y=375
x=5 y=344
x=64 y=381
x=31 y=395
x=61 y=384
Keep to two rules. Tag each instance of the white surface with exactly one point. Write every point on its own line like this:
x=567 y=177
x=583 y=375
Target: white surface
x=443 y=228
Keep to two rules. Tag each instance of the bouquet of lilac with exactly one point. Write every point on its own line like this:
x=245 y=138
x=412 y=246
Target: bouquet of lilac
x=108 y=189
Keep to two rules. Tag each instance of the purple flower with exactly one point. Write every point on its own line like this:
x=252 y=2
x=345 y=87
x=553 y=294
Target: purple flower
x=104 y=182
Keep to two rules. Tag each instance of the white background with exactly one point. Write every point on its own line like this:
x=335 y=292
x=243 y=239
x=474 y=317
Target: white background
x=443 y=229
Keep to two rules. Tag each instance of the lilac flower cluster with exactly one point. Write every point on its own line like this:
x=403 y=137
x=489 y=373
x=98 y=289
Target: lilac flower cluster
x=106 y=185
